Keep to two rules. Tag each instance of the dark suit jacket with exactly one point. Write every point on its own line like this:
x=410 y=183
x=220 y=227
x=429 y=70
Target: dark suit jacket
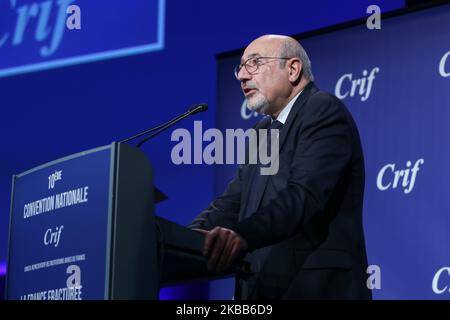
x=306 y=239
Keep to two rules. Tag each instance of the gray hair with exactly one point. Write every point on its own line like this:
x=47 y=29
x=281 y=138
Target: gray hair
x=293 y=49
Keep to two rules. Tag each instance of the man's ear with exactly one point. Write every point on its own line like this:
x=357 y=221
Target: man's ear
x=295 y=69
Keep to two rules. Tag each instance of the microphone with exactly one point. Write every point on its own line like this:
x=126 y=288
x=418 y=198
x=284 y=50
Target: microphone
x=200 y=107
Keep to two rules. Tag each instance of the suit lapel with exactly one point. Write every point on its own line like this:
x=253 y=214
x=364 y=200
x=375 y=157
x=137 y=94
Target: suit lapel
x=260 y=189
x=253 y=168
x=303 y=97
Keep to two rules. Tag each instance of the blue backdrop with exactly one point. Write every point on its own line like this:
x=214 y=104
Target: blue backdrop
x=86 y=100
x=395 y=81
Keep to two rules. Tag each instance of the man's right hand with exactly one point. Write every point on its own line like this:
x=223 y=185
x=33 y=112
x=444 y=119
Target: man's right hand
x=223 y=247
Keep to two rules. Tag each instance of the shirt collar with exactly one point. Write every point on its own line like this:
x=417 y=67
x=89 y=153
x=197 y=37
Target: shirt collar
x=282 y=117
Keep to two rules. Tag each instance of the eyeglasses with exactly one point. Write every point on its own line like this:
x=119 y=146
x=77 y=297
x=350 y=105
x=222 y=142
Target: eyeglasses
x=252 y=64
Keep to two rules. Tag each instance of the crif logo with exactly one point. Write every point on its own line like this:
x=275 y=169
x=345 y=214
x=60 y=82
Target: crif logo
x=442 y=70
x=37 y=15
x=390 y=177
x=349 y=85
x=441 y=277
x=36 y=35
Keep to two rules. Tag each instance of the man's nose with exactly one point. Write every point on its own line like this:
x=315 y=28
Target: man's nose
x=243 y=74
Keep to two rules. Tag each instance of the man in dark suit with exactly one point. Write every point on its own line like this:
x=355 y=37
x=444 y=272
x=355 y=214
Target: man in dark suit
x=301 y=227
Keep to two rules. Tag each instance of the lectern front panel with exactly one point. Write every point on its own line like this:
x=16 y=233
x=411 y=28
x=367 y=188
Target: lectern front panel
x=59 y=239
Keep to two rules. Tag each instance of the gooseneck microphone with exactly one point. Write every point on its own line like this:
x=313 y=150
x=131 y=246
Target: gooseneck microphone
x=200 y=107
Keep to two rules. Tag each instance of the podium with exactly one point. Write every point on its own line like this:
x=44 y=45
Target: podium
x=83 y=227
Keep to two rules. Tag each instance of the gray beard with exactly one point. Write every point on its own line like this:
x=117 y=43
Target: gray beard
x=260 y=105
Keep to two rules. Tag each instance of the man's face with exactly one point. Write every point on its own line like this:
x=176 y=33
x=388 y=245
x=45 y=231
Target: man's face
x=266 y=89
